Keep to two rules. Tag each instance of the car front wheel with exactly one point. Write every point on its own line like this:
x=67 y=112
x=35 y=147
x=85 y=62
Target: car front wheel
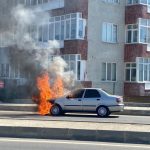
x=103 y=111
x=55 y=110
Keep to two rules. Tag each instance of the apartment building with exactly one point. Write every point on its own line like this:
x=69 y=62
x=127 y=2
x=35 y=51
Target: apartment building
x=104 y=42
x=106 y=38
x=137 y=51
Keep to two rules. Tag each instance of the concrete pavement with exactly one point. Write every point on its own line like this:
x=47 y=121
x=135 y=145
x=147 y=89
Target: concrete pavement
x=24 y=127
x=72 y=130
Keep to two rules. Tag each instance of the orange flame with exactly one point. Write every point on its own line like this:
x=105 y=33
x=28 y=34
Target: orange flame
x=47 y=92
x=58 y=88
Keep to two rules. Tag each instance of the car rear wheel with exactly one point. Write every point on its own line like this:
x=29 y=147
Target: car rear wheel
x=103 y=111
x=55 y=110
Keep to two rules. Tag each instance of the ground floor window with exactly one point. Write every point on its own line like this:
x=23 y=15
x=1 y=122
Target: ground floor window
x=138 y=71
x=108 y=71
x=130 y=72
x=4 y=70
x=75 y=65
x=143 y=69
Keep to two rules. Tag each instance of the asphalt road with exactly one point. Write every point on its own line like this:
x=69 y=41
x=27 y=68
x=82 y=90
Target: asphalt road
x=37 y=144
x=77 y=118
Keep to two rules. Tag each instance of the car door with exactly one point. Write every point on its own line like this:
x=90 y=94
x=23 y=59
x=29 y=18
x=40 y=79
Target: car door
x=73 y=101
x=91 y=100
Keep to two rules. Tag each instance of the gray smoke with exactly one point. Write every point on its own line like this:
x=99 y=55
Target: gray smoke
x=16 y=29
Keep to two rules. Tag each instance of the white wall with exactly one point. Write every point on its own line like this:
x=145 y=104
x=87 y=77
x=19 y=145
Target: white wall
x=99 y=51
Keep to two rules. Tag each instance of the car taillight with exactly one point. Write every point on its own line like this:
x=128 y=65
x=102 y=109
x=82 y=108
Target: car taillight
x=119 y=100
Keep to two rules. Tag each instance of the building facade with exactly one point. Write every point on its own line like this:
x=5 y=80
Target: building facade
x=104 y=42
x=137 y=51
x=106 y=45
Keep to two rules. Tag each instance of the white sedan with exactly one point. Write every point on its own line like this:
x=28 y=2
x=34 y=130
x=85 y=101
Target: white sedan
x=87 y=100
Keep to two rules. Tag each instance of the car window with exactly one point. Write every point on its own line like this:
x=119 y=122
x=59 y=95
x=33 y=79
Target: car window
x=77 y=93
x=90 y=93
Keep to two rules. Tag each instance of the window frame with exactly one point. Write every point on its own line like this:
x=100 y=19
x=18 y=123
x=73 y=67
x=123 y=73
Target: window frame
x=130 y=68
x=106 y=34
x=106 y=73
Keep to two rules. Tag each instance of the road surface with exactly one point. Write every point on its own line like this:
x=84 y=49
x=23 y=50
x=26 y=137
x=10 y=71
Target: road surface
x=37 y=144
x=76 y=118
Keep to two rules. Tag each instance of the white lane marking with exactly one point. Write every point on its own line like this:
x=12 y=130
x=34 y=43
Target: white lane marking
x=108 y=144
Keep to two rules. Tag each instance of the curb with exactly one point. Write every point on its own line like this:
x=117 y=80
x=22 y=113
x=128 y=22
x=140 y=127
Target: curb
x=76 y=134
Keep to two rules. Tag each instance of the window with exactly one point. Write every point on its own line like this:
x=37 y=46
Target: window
x=132 y=2
x=144 y=25
x=4 y=70
x=67 y=27
x=132 y=34
x=73 y=64
x=77 y=93
x=143 y=69
x=91 y=93
x=138 y=33
x=111 y=1
x=40 y=1
x=130 y=72
x=33 y=2
x=109 y=32
x=108 y=71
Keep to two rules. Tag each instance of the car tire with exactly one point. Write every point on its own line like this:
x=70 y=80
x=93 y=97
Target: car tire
x=103 y=111
x=55 y=110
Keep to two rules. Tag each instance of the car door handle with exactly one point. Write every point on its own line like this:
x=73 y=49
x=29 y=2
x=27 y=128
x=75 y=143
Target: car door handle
x=79 y=99
x=98 y=99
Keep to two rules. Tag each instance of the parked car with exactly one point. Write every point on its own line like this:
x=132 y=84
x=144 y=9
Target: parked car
x=87 y=100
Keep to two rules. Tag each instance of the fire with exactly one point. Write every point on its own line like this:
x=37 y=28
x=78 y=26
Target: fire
x=47 y=92
x=58 y=88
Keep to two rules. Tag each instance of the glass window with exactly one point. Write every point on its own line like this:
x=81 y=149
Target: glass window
x=73 y=28
x=77 y=93
x=109 y=32
x=51 y=31
x=62 y=30
x=57 y=30
x=91 y=93
x=132 y=34
x=143 y=34
x=108 y=71
x=40 y=1
x=33 y=2
x=40 y=31
x=130 y=72
x=45 y=33
x=28 y=2
x=81 y=29
x=67 y=29
x=144 y=69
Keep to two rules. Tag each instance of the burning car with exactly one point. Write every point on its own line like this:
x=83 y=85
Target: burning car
x=87 y=100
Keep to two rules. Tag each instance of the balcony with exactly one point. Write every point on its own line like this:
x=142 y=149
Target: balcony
x=52 y=4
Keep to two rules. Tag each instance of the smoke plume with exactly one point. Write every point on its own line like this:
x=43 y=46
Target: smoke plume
x=32 y=56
